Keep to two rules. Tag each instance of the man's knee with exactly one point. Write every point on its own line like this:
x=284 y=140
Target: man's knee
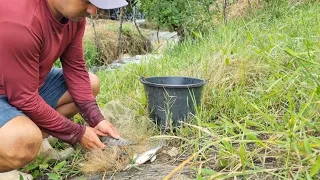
x=21 y=141
x=25 y=150
x=95 y=83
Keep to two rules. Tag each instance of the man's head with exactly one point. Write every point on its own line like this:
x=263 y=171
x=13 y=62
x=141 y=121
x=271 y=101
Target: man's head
x=77 y=10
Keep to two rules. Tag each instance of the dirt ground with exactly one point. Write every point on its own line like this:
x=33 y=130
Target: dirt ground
x=159 y=169
x=146 y=172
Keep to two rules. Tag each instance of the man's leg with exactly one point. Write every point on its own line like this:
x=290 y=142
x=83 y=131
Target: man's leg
x=20 y=140
x=66 y=105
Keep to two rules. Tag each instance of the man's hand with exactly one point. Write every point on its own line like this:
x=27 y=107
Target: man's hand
x=90 y=140
x=105 y=128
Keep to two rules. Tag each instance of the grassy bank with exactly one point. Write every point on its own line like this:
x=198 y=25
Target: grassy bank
x=261 y=102
x=101 y=41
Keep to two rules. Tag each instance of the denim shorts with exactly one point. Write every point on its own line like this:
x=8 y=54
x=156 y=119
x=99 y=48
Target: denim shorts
x=53 y=88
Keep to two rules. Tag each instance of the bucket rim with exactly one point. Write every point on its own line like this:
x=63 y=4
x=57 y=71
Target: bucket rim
x=143 y=81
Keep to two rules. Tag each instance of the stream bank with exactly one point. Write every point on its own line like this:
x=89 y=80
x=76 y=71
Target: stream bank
x=159 y=42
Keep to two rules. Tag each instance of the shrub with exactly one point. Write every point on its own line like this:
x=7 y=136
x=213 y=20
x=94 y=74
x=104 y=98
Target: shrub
x=187 y=17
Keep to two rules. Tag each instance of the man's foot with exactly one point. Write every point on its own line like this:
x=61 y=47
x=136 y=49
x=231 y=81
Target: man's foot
x=15 y=175
x=48 y=151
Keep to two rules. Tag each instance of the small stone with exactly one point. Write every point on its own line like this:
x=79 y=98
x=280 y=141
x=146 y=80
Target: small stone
x=138 y=56
x=173 y=152
x=14 y=175
x=124 y=56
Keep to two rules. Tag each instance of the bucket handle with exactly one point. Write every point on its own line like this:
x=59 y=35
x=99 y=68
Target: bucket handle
x=142 y=79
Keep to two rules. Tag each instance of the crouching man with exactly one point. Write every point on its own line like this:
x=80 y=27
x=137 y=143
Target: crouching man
x=36 y=99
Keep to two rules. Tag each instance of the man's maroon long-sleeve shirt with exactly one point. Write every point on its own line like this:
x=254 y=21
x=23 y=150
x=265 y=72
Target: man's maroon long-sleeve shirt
x=31 y=40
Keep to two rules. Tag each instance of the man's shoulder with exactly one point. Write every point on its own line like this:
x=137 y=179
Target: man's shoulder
x=19 y=11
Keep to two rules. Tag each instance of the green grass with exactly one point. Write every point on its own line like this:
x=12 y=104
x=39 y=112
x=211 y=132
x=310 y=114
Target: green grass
x=261 y=100
x=90 y=53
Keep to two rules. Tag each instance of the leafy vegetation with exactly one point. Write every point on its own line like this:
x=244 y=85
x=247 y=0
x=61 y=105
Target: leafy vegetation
x=185 y=17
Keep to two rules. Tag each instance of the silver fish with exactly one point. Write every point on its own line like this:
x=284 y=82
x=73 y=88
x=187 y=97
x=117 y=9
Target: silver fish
x=145 y=156
x=110 y=141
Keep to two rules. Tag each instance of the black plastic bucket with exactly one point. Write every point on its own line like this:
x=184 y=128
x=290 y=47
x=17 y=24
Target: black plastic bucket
x=172 y=99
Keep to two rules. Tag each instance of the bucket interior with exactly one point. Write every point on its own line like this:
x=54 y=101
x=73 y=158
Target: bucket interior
x=174 y=81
